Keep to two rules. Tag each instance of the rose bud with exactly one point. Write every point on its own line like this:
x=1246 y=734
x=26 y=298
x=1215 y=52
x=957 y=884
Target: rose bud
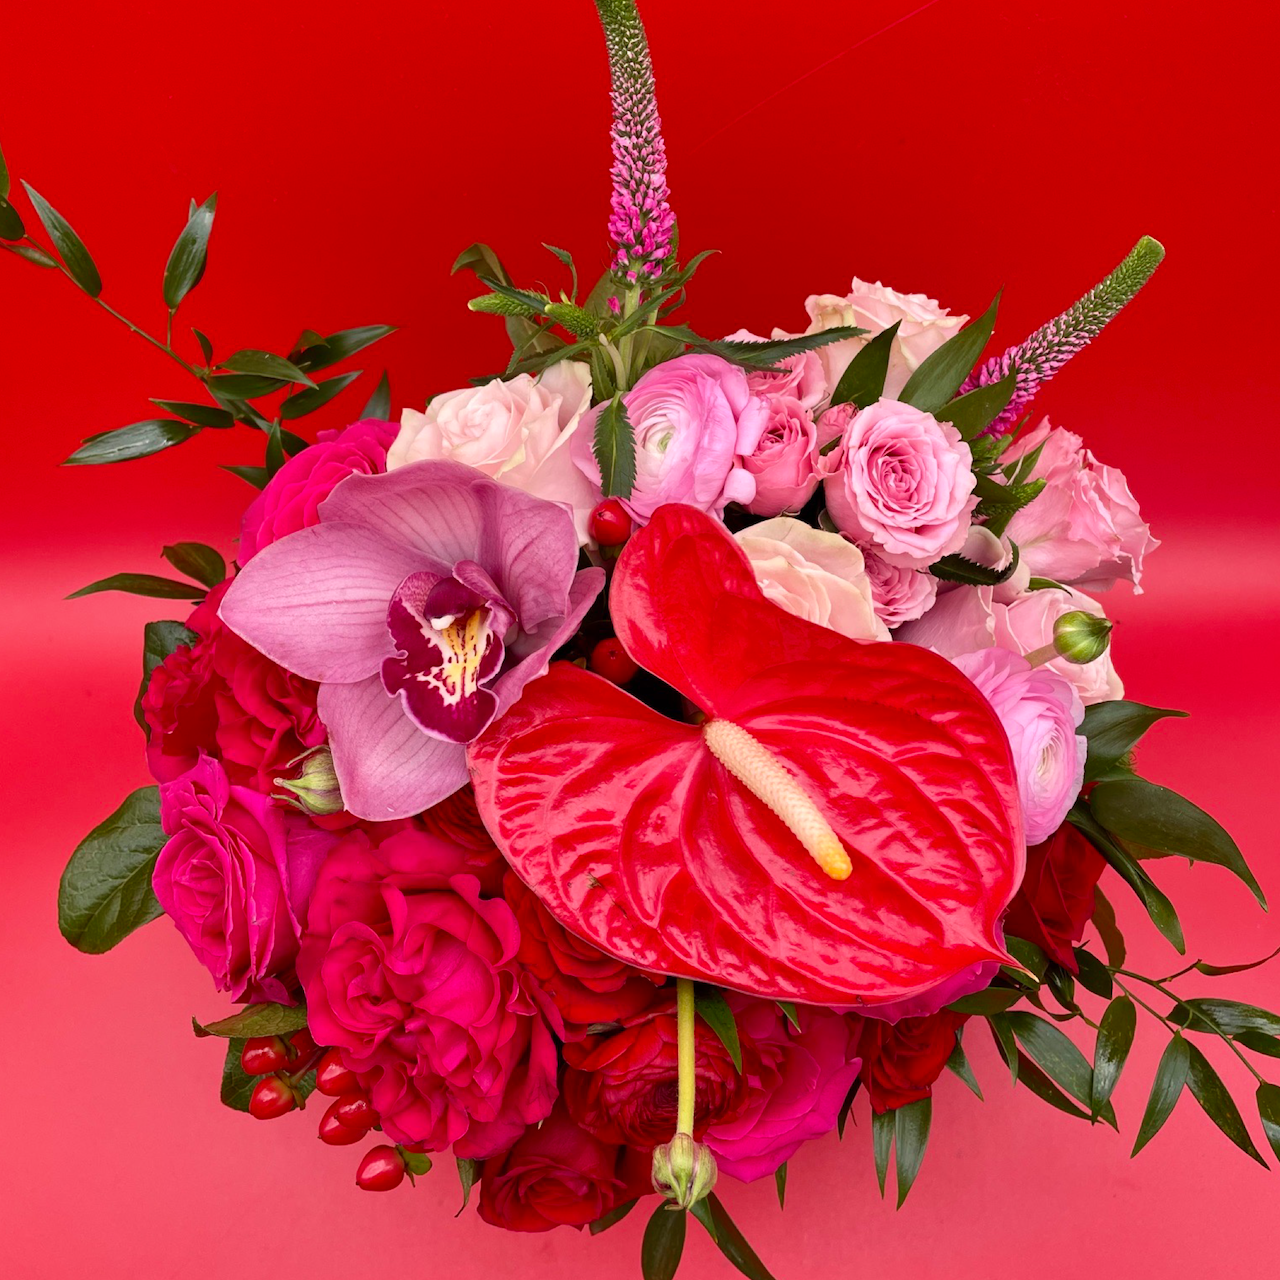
x=315 y=789
x=1081 y=637
x=684 y=1170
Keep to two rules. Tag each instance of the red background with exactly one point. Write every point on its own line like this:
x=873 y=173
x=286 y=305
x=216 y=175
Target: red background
x=356 y=149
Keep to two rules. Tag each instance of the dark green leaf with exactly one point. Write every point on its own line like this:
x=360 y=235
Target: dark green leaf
x=74 y=255
x=482 y=261
x=1231 y=1017
x=911 y=1138
x=204 y=415
x=32 y=253
x=763 y=355
x=941 y=375
x=1269 y=1110
x=5 y=181
x=729 y=1240
x=244 y=386
x=663 y=1243
x=316 y=397
x=985 y=1003
x=1104 y=921
x=293 y=444
x=567 y=258
x=847 y=1105
x=468 y=1171
x=1028 y=955
x=714 y=1010
x=379 y=405
x=1005 y=1043
x=1115 y=1039
x=105 y=892
x=1208 y=1090
x=955 y=568
x=1171 y=1075
x=972 y=413
x=187 y=260
x=1033 y=1079
x=197 y=561
x=1001 y=502
x=138 y=440
x=615 y=449
x=262 y=364
x=780 y=1182
x=159 y=640
x=1094 y=975
x=1112 y=729
x=1063 y=985
x=613 y=1217
x=256 y=476
x=11 y=227
x=237 y=1084
x=1219 y=970
x=1259 y=1043
x=958 y=1064
x=206 y=346
x=344 y=344
x=275 y=450
x=1157 y=818
x=1054 y=1052
x=142 y=584
x=256 y=1020
x=789 y=1012
x=881 y=1144
x=862 y=383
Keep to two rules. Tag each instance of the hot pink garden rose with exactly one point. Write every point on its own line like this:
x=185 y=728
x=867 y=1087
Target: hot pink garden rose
x=1040 y=712
x=904 y=484
x=411 y=972
x=695 y=419
x=786 y=461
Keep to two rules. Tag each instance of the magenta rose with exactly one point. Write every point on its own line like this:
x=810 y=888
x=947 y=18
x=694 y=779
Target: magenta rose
x=694 y=419
x=795 y=1089
x=904 y=486
x=292 y=496
x=786 y=460
x=411 y=972
x=235 y=877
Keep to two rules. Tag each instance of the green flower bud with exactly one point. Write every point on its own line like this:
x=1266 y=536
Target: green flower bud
x=1081 y=637
x=315 y=789
x=683 y=1170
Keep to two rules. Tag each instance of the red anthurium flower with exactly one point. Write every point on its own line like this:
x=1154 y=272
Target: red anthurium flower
x=843 y=829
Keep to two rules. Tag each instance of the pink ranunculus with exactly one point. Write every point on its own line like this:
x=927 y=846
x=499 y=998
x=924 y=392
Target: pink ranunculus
x=795 y=1088
x=924 y=327
x=695 y=419
x=1040 y=712
x=905 y=484
x=517 y=431
x=799 y=376
x=235 y=877
x=816 y=575
x=293 y=494
x=1084 y=526
x=786 y=462
x=898 y=594
x=411 y=973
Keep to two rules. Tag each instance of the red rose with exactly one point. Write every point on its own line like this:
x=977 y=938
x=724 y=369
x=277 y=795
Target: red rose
x=1056 y=899
x=901 y=1060
x=557 y=1174
x=586 y=985
x=624 y=1087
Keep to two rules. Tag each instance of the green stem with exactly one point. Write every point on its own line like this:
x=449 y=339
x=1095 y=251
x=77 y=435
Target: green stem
x=685 y=1014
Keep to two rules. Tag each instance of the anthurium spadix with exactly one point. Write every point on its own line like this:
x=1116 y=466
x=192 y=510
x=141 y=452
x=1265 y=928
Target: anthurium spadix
x=841 y=828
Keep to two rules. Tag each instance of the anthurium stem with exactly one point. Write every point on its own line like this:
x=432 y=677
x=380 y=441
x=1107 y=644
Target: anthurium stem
x=685 y=1014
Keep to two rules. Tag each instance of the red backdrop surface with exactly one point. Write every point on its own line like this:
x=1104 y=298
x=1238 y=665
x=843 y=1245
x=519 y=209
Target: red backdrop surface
x=954 y=149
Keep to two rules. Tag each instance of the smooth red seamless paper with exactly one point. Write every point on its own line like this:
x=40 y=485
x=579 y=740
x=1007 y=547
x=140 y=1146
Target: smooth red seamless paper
x=953 y=148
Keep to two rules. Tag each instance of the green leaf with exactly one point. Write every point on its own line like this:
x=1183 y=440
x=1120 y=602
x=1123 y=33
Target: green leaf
x=1268 y=1096
x=480 y=260
x=955 y=568
x=1259 y=1043
x=468 y=1171
x=1208 y=1090
x=1036 y=1081
x=613 y=1217
x=5 y=181
x=75 y=256
x=714 y=1010
x=941 y=375
x=1159 y=908
x=882 y=1127
x=1115 y=1039
x=780 y=1182
x=379 y=405
x=316 y=397
x=204 y=415
x=1112 y=729
x=293 y=444
x=1005 y=1043
x=911 y=1139
x=237 y=1083
x=789 y=1012
x=567 y=258
x=343 y=344
x=847 y=1106
x=972 y=413
x=187 y=260
x=615 y=449
x=958 y=1064
x=244 y=386
x=138 y=440
x=985 y=1003
x=206 y=347
x=11 y=227
x=105 y=892
x=580 y=323
x=1231 y=1017
x=32 y=253
x=862 y=383
x=256 y=476
x=1219 y=970
x=142 y=584
x=1104 y=922
x=1094 y=975
x=663 y=1243
x=262 y=364
x=763 y=355
x=416 y=1163
x=729 y=1240
x=159 y=640
x=1028 y=955
x=1171 y=1075
x=275 y=450
x=1160 y=819
x=197 y=561
x=1055 y=1053
x=1001 y=502
x=256 y=1020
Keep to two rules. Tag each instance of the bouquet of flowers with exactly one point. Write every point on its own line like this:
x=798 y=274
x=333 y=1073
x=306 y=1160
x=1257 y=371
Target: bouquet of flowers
x=607 y=773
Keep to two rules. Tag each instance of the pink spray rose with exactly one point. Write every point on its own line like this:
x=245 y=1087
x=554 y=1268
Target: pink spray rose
x=694 y=419
x=291 y=497
x=923 y=328
x=814 y=574
x=904 y=485
x=898 y=594
x=1084 y=526
x=799 y=376
x=1040 y=712
x=235 y=876
x=786 y=462
x=516 y=431
x=412 y=974
x=795 y=1088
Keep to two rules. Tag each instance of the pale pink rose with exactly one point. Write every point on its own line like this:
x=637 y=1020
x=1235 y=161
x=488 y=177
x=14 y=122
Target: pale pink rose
x=1040 y=713
x=904 y=486
x=694 y=420
x=815 y=575
x=924 y=327
x=800 y=375
x=899 y=595
x=786 y=461
x=959 y=622
x=516 y=431
x=1084 y=526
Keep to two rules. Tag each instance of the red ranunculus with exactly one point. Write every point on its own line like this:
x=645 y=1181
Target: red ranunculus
x=558 y=1174
x=901 y=1060
x=1056 y=899
x=624 y=1087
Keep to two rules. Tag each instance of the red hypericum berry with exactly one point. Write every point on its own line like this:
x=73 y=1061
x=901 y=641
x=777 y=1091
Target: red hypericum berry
x=382 y=1169
x=301 y=1044
x=271 y=1097
x=264 y=1054
x=609 y=524
x=332 y=1078
x=355 y=1111
x=335 y=1133
x=610 y=659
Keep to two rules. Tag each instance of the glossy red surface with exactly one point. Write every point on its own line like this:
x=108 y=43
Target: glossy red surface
x=356 y=151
